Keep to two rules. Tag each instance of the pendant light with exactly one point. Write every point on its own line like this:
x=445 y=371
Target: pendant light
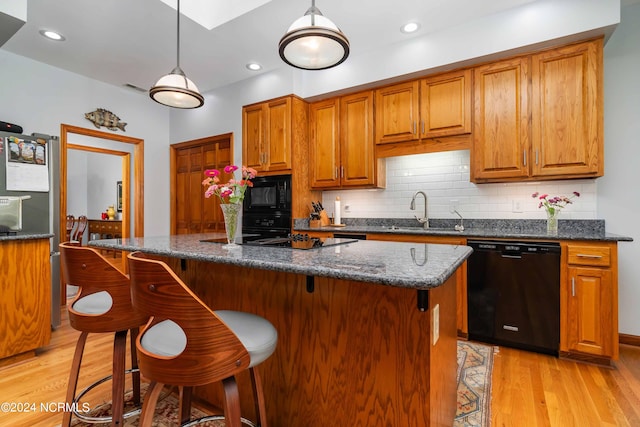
x=314 y=42
x=175 y=89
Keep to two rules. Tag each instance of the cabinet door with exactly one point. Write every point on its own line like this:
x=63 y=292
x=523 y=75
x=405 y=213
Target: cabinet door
x=397 y=113
x=358 y=164
x=501 y=132
x=194 y=192
x=253 y=137
x=216 y=156
x=278 y=137
x=567 y=135
x=182 y=191
x=324 y=144
x=445 y=105
x=590 y=311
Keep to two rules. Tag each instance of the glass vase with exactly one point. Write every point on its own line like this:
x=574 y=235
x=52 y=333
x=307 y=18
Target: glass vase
x=230 y=211
x=552 y=221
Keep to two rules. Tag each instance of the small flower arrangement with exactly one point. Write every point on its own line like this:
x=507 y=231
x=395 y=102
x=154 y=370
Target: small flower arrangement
x=231 y=191
x=554 y=204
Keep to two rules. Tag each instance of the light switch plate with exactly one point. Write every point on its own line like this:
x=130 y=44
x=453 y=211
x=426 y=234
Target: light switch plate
x=435 y=324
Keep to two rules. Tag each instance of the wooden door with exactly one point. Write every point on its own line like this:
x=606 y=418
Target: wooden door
x=357 y=157
x=253 y=135
x=192 y=212
x=278 y=137
x=397 y=113
x=324 y=144
x=501 y=131
x=445 y=105
x=590 y=311
x=567 y=129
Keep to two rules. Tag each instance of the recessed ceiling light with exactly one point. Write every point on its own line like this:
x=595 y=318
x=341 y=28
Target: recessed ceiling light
x=52 y=35
x=410 y=27
x=254 y=66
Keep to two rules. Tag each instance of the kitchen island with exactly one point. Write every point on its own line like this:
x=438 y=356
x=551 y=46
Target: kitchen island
x=367 y=330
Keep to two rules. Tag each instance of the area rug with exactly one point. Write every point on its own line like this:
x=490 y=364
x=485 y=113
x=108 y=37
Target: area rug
x=475 y=362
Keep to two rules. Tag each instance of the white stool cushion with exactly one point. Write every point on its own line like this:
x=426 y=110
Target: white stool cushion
x=256 y=333
x=98 y=303
x=164 y=339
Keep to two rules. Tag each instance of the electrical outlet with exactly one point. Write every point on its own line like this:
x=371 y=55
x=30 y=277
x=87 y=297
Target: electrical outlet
x=453 y=206
x=435 y=325
x=347 y=208
x=516 y=206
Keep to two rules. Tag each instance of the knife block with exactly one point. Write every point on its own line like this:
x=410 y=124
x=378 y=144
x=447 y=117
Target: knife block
x=324 y=218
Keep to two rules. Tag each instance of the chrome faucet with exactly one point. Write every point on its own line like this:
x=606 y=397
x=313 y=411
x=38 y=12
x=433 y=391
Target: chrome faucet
x=424 y=220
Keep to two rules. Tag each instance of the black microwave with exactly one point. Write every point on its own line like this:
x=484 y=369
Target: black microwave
x=269 y=194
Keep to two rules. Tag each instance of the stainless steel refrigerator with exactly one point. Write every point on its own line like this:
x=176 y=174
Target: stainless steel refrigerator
x=40 y=209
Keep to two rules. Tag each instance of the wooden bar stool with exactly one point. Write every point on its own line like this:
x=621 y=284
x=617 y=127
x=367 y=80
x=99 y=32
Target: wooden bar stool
x=187 y=344
x=102 y=305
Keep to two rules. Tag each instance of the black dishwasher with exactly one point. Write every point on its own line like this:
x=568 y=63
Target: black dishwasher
x=513 y=294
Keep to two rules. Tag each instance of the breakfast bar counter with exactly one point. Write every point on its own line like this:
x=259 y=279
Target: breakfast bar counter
x=367 y=329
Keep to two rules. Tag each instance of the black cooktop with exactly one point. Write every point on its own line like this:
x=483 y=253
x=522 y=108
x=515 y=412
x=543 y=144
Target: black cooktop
x=305 y=243
x=296 y=241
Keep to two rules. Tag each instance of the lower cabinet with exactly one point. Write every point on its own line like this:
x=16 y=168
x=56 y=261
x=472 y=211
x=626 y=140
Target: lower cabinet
x=25 y=305
x=590 y=302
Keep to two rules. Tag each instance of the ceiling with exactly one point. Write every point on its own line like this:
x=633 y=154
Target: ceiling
x=134 y=42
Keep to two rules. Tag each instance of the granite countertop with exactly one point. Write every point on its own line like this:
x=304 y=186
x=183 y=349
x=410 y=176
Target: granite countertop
x=473 y=228
x=410 y=265
x=26 y=236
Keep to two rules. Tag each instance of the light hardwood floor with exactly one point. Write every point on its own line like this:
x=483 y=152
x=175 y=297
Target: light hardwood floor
x=529 y=389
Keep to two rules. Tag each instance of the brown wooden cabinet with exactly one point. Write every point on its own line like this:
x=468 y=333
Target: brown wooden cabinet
x=589 y=307
x=539 y=116
x=501 y=132
x=341 y=147
x=192 y=212
x=106 y=228
x=397 y=112
x=445 y=105
x=25 y=306
x=567 y=111
x=427 y=115
x=269 y=129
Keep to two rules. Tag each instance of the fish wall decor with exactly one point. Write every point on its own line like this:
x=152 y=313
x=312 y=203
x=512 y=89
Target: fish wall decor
x=102 y=117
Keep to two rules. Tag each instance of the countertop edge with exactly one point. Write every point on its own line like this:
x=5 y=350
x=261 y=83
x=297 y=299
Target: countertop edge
x=467 y=233
x=33 y=236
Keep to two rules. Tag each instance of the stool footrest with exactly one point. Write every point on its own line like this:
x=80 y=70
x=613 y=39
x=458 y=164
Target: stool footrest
x=95 y=420
x=214 y=418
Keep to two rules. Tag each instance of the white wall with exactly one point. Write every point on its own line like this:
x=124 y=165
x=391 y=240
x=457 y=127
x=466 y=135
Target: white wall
x=618 y=196
x=39 y=98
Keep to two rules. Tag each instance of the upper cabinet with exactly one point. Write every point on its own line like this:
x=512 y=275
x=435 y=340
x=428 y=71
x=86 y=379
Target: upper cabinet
x=567 y=111
x=341 y=147
x=501 y=132
x=420 y=112
x=268 y=132
x=397 y=113
x=540 y=116
x=445 y=105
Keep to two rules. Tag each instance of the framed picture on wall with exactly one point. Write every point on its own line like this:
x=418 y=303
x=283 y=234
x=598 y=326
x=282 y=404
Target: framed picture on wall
x=119 y=196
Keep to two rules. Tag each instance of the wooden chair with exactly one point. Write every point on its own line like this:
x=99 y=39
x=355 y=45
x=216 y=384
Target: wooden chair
x=102 y=305
x=80 y=229
x=187 y=344
x=71 y=222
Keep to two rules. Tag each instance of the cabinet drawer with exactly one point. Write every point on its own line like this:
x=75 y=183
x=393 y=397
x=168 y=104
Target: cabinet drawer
x=589 y=255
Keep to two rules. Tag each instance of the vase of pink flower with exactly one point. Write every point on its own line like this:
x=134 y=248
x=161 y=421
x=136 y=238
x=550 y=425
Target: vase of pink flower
x=553 y=206
x=231 y=195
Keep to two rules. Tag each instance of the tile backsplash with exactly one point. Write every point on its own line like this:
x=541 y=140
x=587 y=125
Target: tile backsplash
x=444 y=177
